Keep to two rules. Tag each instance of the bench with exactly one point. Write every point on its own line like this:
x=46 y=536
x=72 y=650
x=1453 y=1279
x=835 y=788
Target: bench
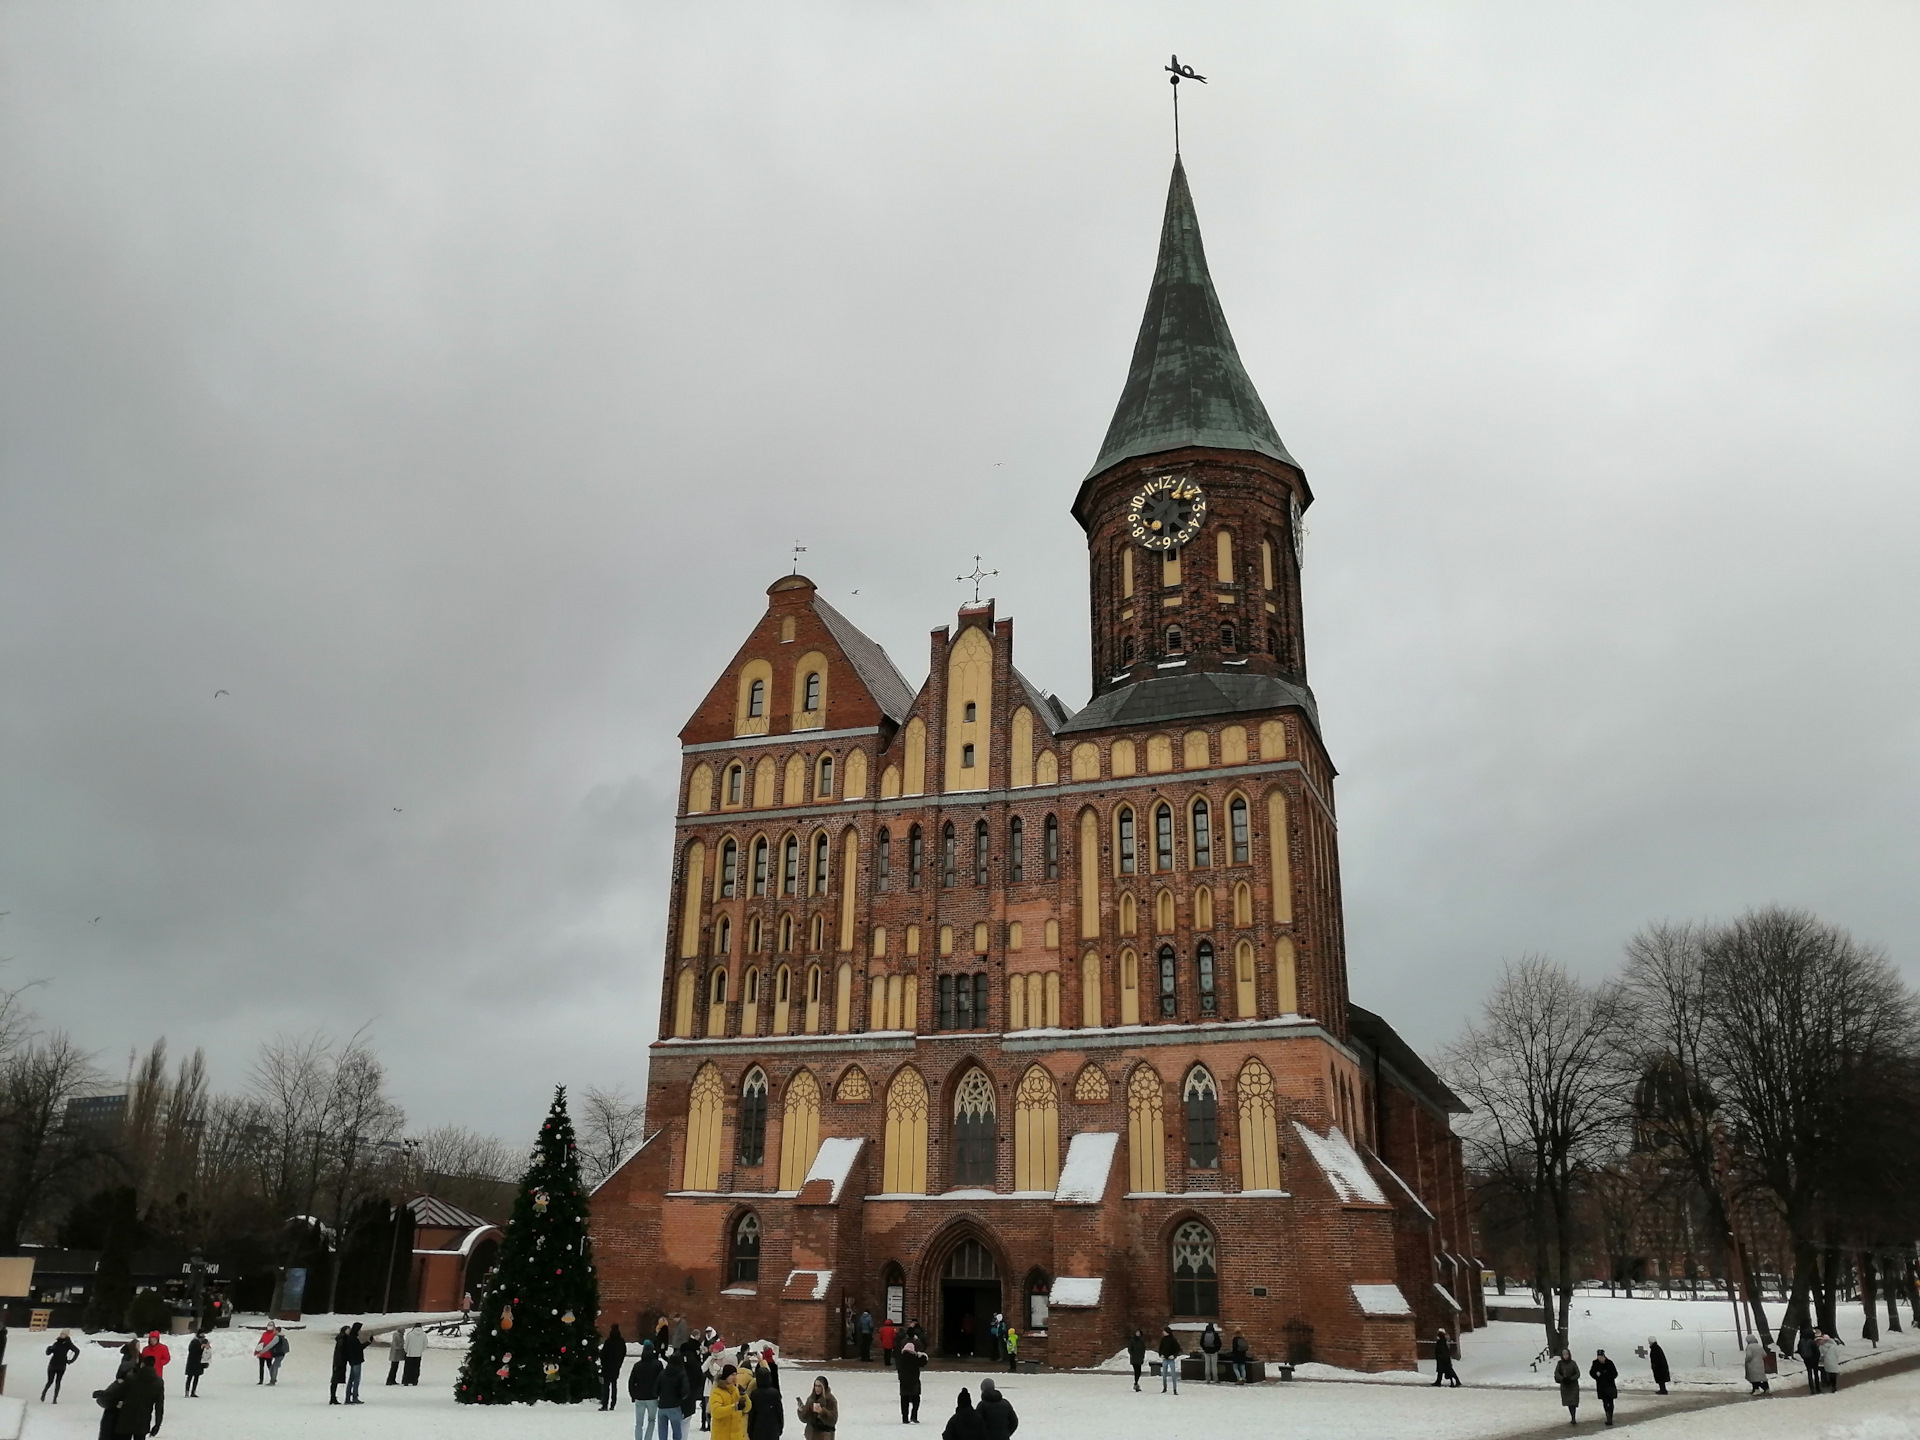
x=1194 y=1367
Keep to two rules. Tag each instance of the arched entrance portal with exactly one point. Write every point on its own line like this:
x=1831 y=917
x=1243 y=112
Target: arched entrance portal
x=969 y=1299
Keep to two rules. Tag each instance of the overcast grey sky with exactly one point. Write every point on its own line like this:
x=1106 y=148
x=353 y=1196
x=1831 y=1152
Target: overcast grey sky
x=447 y=382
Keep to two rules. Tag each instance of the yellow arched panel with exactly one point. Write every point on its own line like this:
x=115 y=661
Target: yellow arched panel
x=683 y=1004
x=1259 y=1133
x=843 y=999
x=799 y=1130
x=794 y=790
x=1046 y=769
x=914 y=781
x=763 y=784
x=1053 y=999
x=1286 y=979
x=1159 y=754
x=1017 y=1003
x=700 y=790
x=905 y=1168
x=782 y=999
x=1090 y=1012
x=1273 y=740
x=1223 y=557
x=1129 y=988
x=1196 y=755
x=1088 y=858
x=877 y=1004
x=1279 y=846
x=890 y=783
x=969 y=690
x=744 y=722
x=1246 y=987
x=1036 y=1132
x=811 y=663
x=1203 y=909
x=1146 y=1145
x=1126 y=573
x=1243 y=904
x=696 y=883
x=855 y=786
x=1233 y=745
x=1124 y=758
x=1020 y=761
x=1086 y=761
x=849 y=883
x=706 y=1114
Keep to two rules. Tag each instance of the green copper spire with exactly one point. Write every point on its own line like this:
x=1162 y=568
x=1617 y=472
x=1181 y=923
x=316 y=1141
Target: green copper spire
x=1186 y=385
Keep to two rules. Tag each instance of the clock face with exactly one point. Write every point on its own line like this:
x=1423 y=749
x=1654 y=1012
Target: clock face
x=1166 y=513
x=1299 y=535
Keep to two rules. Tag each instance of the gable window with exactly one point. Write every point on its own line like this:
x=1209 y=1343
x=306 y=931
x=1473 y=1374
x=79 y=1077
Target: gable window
x=1016 y=850
x=972 y=712
x=1126 y=651
x=1196 y=1283
x=980 y=852
x=812 y=691
x=913 y=858
x=949 y=855
x=729 y=869
x=745 y=1262
x=1237 y=829
x=753 y=1117
x=1202 y=833
x=1052 y=843
x=974 y=1130
x=733 y=784
x=760 y=867
x=757 y=699
x=883 y=860
x=1163 y=838
x=1203 y=960
x=1168 y=995
x=966 y=757
x=823 y=787
x=1127 y=848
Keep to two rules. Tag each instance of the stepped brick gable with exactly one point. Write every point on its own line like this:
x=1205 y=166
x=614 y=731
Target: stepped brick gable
x=976 y=1005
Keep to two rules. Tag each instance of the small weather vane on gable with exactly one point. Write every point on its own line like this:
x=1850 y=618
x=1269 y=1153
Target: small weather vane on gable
x=1179 y=72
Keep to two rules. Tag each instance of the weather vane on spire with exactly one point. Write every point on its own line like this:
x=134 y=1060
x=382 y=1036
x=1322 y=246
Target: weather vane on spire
x=976 y=577
x=1179 y=72
x=798 y=551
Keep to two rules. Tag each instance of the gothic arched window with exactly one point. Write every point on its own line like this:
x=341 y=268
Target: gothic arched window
x=1202 y=833
x=757 y=698
x=1127 y=848
x=1016 y=850
x=949 y=854
x=745 y=1266
x=820 y=863
x=1163 y=837
x=1053 y=847
x=1202 y=1099
x=735 y=779
x=1237 y=829
x=823 y=787
x=1126 y=651
x=980 y=852
x=913 y=858
x=1196 y=1281
x=883 y=860
x=790 y=866
x=753 y=1117
x=729 y=869
x=812 y=700
x=1174 y=642
x=1168 y=977
x=1203 y=961
x=975 y=1130
x=760 y=866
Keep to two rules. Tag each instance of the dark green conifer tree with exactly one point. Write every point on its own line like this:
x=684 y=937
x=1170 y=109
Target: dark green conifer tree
x=534 y=1331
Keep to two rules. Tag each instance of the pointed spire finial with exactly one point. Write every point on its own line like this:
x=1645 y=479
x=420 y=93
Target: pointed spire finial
x=1179 y=72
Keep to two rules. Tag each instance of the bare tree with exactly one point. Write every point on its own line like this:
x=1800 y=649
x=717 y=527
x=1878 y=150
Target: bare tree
x=37 y=1154
x=1541 y=1070
x=459 y=1153
x=612 y=1123
x=361 y=1121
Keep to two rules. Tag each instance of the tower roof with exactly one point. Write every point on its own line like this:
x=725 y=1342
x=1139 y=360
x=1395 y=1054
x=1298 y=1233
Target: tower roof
x=1186 y=385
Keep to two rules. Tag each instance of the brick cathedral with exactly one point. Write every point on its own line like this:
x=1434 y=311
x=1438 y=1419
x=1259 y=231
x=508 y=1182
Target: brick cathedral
x=975 y=1004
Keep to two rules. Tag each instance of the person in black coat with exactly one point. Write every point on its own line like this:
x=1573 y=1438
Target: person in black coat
x=643 y=1389
x=908 y=1365
x=768 y=1418
x=1137 y=1353
x=129 y=1402
x=1809 y=1352
x=198 y=1349
x=964 y=1423
x=337 y=1376
x=997 y=1420
x=613 y=1358
x=676 y=1391
x=60 y=1354
x=1443 y=1370
x=1606 y=1382
x=1170 y=1353
x=1657 y=1358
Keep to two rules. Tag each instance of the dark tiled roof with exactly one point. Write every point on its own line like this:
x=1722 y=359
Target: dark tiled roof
x=872 y=664
x=432 y=1210
x=1191 y=697
x=1186 y=385
x=1370 y=1028
x=1048 y=707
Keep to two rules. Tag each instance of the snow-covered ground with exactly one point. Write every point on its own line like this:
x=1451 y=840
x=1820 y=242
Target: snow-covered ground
x=1502 y=1397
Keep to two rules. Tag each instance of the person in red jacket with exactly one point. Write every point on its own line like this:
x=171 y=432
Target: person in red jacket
x=888 y=1334
x=156 y=1350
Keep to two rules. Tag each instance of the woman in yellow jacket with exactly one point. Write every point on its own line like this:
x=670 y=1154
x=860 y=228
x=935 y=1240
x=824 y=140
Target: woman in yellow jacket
x=729 y=1405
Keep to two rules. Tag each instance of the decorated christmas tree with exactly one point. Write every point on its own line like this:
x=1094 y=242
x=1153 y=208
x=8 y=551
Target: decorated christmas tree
x=534 y=1336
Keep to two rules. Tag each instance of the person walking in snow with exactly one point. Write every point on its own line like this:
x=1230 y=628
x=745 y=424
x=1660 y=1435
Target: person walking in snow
x=1210 y=1353
x=1443 y=1370
x=1566 y=1374
x=156 y=1350
x=819 y=1412
x=729 y=1405
x=264 y=1352
x=60 y=1354
x=769 y=1415
x=1755 y=1366
x=1830 y=1362
x=964 y=1423
x=997 y=1420
x=643 y=1389
x=199 y=1352
x=1606 y=1382
x=889 y=1335
x=676 y=1386
x=613 y=1359
x=1657 y=1358
x=1137 y=1354
x=131 y=1402
x=1170 y=1353
x=863 y=1328
x=908 y=1366
x=416 y=1350
x=1809 y=1352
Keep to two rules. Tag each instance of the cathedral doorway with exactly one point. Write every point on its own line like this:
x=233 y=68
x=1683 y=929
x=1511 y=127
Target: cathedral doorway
x=969 y=1299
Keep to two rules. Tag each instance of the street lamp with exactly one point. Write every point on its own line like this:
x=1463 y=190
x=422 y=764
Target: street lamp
x=407 y=1147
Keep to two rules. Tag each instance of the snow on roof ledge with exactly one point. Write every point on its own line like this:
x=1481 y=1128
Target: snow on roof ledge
x=1446 y=1295
x=821 y=1280
x=1075 y=1292
x=1083 y=1179
x=1381 y=1300
x=1342 y=1165
x=833 y=1161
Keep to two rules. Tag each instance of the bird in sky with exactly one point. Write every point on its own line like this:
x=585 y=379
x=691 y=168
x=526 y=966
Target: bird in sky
x=398 y=811
x=94 y=921
x=218 y=693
